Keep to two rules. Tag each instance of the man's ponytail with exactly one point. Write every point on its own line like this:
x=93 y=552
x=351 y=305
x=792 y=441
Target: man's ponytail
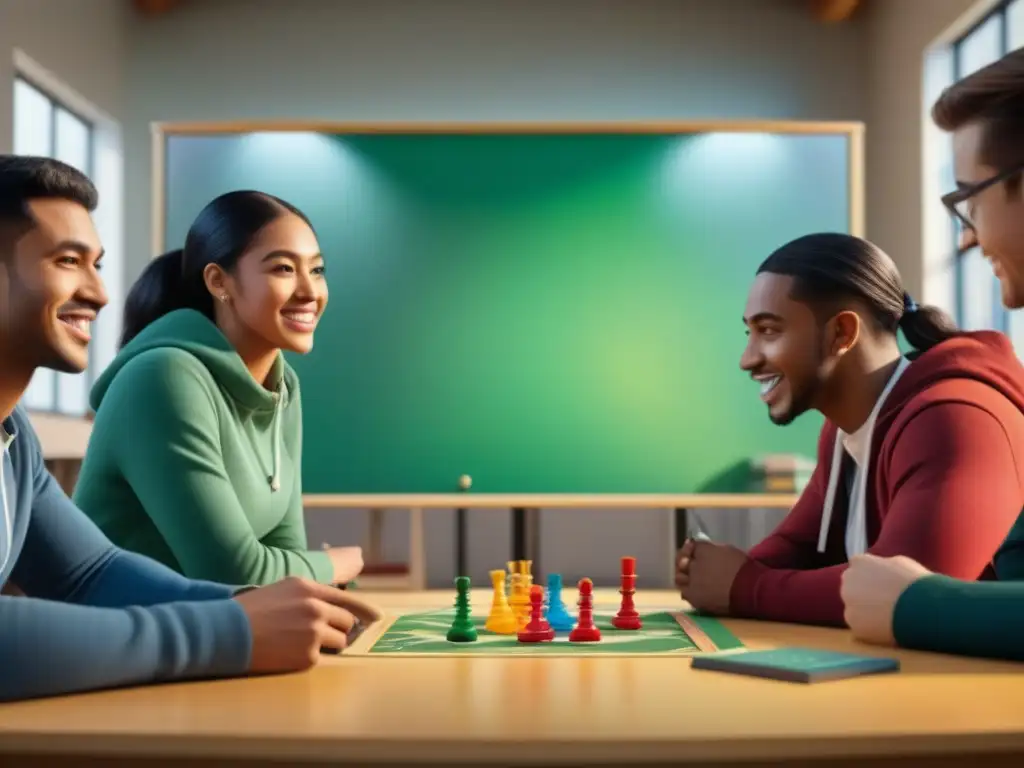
x=925 y=326
x=829 y=268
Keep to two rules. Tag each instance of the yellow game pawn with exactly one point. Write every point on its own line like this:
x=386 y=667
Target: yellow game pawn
x=501 y=620
x=513 y=580
x=525 y=570
x=519 y=593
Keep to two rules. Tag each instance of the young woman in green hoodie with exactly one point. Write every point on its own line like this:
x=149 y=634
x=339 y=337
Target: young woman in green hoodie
x=196 y=451
x=897 y=601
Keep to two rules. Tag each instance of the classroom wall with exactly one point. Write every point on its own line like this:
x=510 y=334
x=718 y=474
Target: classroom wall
x=466 y=60
x=904 y=214
x=84 y=46
x=529 y=59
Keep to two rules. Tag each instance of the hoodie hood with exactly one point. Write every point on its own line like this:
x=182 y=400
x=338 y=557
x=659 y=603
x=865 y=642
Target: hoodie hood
x=982 y=356
x=192 y=332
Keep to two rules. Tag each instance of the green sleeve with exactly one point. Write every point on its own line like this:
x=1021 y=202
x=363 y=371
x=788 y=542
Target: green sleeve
x=967 y=618
x=1009 y=560
x=167 y=445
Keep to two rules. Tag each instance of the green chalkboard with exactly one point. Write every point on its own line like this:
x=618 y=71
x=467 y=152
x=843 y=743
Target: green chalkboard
x=546 y=312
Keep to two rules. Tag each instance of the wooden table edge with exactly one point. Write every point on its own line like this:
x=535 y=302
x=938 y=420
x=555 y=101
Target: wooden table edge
x=549 y=500
x=513 y=751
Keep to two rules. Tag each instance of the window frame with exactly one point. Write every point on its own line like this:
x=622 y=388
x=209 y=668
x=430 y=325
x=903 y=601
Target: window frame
x=56 y=404
x=1000 y=320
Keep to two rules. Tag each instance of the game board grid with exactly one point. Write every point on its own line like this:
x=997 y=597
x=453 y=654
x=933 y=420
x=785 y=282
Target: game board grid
x=666 y=632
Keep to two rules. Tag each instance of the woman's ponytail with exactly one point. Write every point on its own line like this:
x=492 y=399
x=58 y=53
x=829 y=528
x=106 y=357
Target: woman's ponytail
x=157 y=292
x=222 y=232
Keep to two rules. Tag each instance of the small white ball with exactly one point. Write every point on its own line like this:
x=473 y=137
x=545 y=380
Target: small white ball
x=465 y=482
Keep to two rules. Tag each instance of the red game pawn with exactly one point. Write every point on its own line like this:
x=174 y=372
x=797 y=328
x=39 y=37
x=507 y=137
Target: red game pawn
x=537 y=629
x=585 y=630
x=627 y=617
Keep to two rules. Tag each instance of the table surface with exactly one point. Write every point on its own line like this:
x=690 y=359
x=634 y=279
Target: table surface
x=550 y=710
x=471 y=500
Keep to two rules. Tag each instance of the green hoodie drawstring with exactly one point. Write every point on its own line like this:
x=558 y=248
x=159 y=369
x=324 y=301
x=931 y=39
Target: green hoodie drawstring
x=279 y=397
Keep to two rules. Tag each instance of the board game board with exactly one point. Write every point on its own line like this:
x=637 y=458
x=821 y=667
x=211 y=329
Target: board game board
x=665 y=632
x=528 y=620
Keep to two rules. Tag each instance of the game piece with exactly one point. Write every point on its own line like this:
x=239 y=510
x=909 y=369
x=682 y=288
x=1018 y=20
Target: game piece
x=518 y=574
x=462 y=629
x=557 y=614
x=585 y=630
x=501 y=619
x=627 y=617
x=525 y=569
x=537 y=629
x=519 y=591
x=465 y=482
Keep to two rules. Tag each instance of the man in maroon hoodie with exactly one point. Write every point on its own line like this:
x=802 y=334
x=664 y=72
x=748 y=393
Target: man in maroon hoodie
x=920 y=455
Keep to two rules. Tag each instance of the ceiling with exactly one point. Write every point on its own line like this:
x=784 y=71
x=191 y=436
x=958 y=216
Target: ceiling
x=826 y=11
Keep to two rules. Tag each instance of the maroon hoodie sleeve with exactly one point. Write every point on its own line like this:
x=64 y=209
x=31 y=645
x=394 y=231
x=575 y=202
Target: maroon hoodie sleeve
x=955 y=498
x=794 y=543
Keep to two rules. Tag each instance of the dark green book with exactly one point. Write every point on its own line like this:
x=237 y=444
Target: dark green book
x=797 y=665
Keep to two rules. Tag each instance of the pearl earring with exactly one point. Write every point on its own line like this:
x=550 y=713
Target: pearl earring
x=223 y=297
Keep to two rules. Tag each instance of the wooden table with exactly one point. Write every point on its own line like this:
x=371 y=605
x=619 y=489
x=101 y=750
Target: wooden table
x=525 y=508
x=577 y=711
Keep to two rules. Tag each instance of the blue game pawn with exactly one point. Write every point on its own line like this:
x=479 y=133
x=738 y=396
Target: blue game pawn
x=558 y=615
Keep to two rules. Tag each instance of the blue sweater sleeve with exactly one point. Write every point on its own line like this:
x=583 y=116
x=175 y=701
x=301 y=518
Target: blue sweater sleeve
x=97 y=617
x=83 y=566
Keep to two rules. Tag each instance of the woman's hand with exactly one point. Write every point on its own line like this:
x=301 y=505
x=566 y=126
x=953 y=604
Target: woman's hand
x=347 y=562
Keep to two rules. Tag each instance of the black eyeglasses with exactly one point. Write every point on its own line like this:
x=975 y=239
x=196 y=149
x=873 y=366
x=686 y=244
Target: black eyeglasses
x=955 y=201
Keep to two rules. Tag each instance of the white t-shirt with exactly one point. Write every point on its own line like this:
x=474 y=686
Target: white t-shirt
x=857 y=445
x=8 y=528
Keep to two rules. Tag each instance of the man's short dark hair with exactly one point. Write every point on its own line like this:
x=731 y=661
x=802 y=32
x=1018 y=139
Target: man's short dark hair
x=994 y=98
x=24 y=178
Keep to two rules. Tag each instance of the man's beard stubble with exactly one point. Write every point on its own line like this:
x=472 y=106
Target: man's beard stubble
x=24 y=345
x=808 y=398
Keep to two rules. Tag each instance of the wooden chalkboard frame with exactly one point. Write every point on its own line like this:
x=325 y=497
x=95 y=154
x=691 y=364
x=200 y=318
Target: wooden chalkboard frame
x=524 y=507
x=854 y=131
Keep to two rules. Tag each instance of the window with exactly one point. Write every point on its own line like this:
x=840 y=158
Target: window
x=978 y=300
x=1015 y=25
x=45 y=126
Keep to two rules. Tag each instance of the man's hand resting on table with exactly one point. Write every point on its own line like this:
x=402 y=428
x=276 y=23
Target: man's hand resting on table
x=705 y=572
x=293 y=619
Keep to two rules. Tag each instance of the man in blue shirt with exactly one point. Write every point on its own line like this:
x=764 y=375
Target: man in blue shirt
x=92 y=615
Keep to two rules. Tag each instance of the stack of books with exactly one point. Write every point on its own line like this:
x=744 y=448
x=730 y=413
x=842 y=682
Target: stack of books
x=781 y=473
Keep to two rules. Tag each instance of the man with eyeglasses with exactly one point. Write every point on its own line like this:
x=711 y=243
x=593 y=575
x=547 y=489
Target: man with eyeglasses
x=897 y=601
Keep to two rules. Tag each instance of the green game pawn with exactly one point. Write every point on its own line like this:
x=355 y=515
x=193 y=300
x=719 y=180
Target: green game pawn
x=462 y=629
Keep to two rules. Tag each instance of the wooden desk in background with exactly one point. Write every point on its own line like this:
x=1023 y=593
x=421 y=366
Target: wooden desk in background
x=939 y=711
x=525 y=510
